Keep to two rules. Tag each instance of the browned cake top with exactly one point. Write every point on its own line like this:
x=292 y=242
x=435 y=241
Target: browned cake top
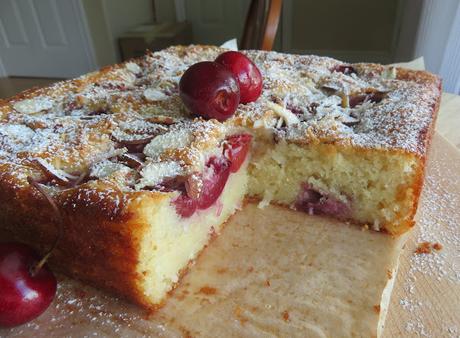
x=127 y=123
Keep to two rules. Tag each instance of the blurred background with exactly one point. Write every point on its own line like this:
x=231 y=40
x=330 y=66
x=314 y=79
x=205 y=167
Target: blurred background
x=45 y=40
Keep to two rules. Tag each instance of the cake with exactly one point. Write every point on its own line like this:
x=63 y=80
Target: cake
x=144 y=185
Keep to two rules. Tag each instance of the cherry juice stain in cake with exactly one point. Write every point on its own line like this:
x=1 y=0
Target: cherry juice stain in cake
x=236 y=150
x=215 y=176
x=314 y=202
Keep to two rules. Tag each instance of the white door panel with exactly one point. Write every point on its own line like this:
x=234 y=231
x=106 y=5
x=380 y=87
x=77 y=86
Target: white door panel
x=44 y=38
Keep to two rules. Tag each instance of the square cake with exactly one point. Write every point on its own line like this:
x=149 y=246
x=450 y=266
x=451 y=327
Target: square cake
x=143 y=184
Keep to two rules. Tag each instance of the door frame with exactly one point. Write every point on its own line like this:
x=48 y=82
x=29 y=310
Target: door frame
x=2 y=69
x=85 y=33
x=450 y=63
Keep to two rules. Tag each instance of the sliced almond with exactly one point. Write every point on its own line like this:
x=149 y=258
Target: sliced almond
x=193 y=185
x=59 y=175
x=33 y=106
x=390 y=73
x=177 y=139
x=288 y=117
x=143 y=140
x=167 y=120
x=152 y=94
x=155 y=173
x=133 y=67
x=133 y=161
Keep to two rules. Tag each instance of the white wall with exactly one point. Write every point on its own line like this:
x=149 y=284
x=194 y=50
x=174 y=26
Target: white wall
x=450 y=66
x=433 y=31
x=437 y=40
x=108 y=19
x=122 y=15
x=408 y=30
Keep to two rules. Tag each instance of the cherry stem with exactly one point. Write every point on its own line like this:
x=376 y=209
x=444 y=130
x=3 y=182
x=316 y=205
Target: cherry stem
x=36 y=268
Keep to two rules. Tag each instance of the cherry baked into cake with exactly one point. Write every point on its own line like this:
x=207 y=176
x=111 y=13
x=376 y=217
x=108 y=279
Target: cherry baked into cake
x=145 y=164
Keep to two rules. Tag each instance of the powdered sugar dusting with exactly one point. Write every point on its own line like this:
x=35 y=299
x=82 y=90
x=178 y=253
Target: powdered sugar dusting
x=438 y=224
x=74 y=123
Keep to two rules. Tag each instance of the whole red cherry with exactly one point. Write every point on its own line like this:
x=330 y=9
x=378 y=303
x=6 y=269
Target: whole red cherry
x=210 y=90
x=246 y=72
x=24 y=292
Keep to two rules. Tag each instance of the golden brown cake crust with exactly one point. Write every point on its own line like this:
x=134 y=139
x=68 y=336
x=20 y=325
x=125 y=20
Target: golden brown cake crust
x=101 y=232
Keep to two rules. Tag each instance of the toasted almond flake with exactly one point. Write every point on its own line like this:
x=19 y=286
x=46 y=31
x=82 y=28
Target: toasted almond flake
x=152 y=94
x=133 y=160
x=193 y=186
x=279 y=123
x=288 y=116
x=135 y=141
x=389 y=73
x=133 y=67
x=155 y=173
x=33 y=106
x=50 y=170
x=174 y=139
x=106 y=168
x=345 y=100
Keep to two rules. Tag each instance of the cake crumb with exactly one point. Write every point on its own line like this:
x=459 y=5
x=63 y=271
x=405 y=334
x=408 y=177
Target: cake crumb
x=222 y=270
x=285 y=315
x=437 y=246
x=427 y=248
x=389 y=274
x=423 y=248
x=207 y=290
x=186 y=333
x=239 y=315
x=377 y=308
x=267 y=283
